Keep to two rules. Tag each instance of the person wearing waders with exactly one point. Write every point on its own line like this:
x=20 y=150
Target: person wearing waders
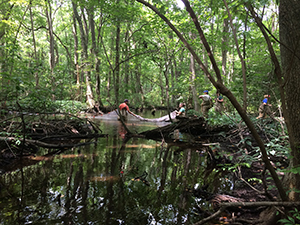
x=206 y=103
x=124 y=110
x=264 y=108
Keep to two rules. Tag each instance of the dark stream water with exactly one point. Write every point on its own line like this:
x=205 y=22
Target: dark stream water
x=109 y=182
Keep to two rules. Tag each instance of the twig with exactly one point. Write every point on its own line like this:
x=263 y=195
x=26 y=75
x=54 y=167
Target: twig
x=10 y=148
x=211 y=216
x=242 y=179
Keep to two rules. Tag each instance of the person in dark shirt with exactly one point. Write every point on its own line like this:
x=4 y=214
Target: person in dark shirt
x=219 y=107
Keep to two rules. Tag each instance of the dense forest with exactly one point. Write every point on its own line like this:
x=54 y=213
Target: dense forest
x=105 y=51
x=70 y=56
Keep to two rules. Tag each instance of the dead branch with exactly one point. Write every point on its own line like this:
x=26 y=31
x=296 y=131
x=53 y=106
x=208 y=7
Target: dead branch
x=225 y=205
x=211 y=216
x=48 y=145
x=257 y=204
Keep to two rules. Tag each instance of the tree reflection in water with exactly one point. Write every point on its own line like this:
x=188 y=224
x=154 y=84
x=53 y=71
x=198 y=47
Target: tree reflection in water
x=98 y=186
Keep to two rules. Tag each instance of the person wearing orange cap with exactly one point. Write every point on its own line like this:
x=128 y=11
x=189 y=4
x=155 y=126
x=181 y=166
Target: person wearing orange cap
x=206 y=103
x=264 y=108
x=124 y=110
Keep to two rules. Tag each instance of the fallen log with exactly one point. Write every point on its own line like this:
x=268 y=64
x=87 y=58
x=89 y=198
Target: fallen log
x=166 y=118
x=192 y=126
x=45 y=144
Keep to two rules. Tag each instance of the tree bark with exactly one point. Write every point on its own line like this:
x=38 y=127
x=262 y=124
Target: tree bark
x=289 y=30
x=34 y=43
x=51 y=47
x=95 y=51
x=224 y=46
x=76 y=60
x=84 y=43
x=116 y=73
x=192 y=80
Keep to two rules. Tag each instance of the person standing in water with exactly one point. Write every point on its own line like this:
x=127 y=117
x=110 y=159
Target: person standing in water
x=124 y=110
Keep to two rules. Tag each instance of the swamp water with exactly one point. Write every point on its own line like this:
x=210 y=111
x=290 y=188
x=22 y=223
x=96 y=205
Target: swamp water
x=109 y=182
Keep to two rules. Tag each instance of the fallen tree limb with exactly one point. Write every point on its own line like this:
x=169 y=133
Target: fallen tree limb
x=255 y=204
x=225 y=205
x=74 y=136
x=211 y=216
x=48 y=145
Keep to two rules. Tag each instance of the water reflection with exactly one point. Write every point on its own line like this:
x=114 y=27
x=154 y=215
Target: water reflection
x=114 y=181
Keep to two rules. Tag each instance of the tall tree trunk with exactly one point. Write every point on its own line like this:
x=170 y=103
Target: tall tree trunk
x=4 y=78
x=95 y=51
x=110 y=77
x=173 y=72
x=51 y=47
x=34 y=43
x=289 y=26
x=192 y=80
x=167 y=86
x=84 y=44
x=240 y=56
x=225 y=46
x=127 y=48
x=162 y=89
x=117 y=61
x=76 y=60
x=139 y=86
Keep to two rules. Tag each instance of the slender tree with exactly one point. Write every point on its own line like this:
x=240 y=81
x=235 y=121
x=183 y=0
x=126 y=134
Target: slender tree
x=240 y=56
x=34 y=42
x=84 y=43
x=194 y=96
x=49 y=17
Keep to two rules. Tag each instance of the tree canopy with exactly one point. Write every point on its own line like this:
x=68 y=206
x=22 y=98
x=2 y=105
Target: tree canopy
x=110 y=50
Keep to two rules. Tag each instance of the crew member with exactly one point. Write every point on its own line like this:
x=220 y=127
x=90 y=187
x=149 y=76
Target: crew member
x=181 y=111
x=206 y=103
x=264 y=108
x=124 y=110
x=219 y=104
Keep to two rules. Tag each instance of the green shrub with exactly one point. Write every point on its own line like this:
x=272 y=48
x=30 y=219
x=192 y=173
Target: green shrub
x=69 y=106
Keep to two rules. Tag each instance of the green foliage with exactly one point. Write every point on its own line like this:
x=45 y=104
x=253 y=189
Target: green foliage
x=192 y=112
x=35 y=103
x=68 y=106
x=292 y=219
x=215 y=118
x=233 y=167
x=295 y=170
x=151 y=55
